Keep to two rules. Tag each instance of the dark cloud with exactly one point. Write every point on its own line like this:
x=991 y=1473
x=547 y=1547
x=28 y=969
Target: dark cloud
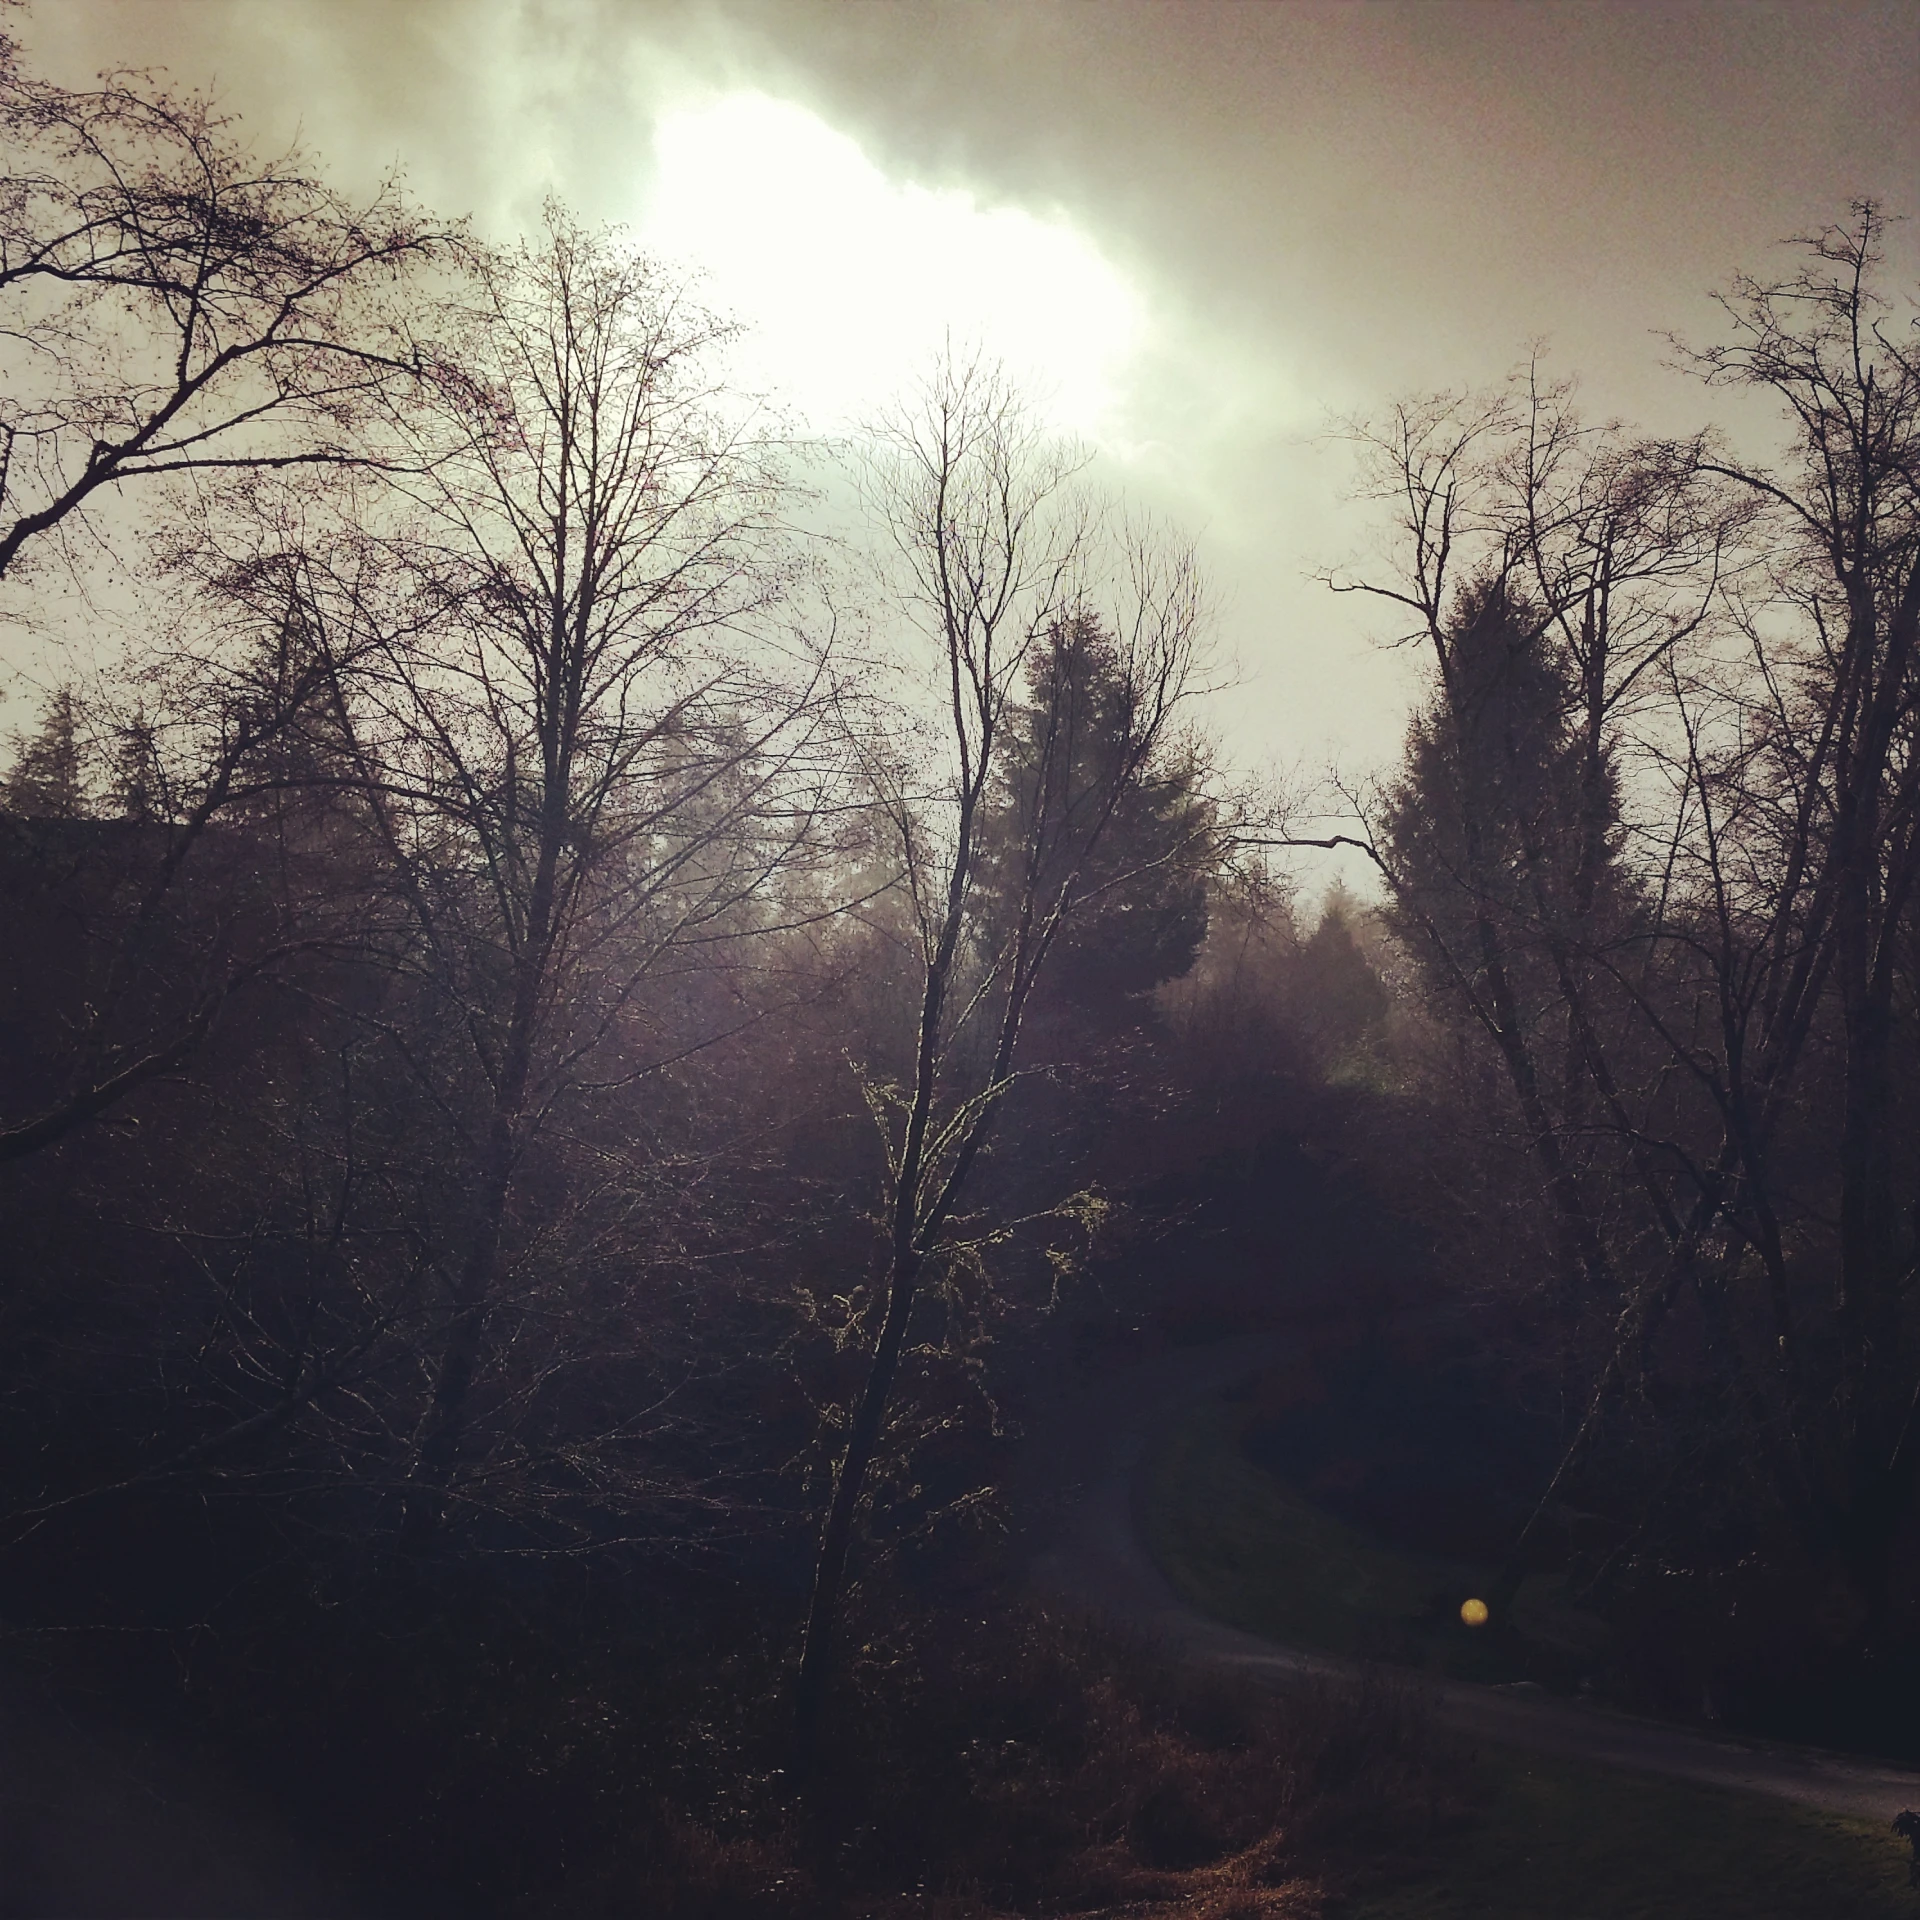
x=1325 y=204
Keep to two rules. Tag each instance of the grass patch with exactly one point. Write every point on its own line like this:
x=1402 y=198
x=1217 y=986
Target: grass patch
x=1559 y=1841
x=1239 y=1544
x=1549 y=1839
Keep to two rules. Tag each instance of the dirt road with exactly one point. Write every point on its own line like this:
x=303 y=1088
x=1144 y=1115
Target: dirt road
x=1076 y=1503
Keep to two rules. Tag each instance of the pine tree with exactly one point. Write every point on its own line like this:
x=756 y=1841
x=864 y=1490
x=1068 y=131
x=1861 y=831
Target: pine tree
x=1340 y=998
x=1482 y=831
x=1139 y=877
x=139 y=788
x=48 y=777
x=1484 y=845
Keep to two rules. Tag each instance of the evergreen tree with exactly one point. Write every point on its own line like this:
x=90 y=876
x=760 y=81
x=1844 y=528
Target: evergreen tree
x=1138 y=876
x=1485 y=844
x=1339 y=997
x=47 y=781
x=1482 y=831
x=140 y=786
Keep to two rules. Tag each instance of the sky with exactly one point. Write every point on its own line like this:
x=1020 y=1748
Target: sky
x=1201 y=231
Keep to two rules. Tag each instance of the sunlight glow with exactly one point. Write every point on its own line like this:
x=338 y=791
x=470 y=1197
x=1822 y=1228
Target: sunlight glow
x=850 y=281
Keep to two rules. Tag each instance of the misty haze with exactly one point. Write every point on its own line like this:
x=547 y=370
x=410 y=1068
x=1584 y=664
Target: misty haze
x=961 y=961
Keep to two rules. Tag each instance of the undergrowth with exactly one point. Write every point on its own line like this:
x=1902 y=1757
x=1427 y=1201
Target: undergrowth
x=1020 y=1762
x=500 y=1750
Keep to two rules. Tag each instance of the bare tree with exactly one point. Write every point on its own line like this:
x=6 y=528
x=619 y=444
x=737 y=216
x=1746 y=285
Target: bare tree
x=575 y=729
x=1712 y=894
x=1802 y=776
x=1560 y=574
x=1004 y=572
x=174 y=305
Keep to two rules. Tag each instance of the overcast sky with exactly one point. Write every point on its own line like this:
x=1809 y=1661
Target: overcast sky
x=1203 y=229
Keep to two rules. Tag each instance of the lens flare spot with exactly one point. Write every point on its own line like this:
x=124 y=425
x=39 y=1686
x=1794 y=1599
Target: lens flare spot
x=1474 y=1612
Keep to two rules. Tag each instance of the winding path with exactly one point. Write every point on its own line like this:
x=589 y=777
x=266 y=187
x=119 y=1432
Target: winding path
x=1076 y=1503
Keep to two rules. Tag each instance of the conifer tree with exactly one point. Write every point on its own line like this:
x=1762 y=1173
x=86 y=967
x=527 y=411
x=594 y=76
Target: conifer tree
x=47 y=781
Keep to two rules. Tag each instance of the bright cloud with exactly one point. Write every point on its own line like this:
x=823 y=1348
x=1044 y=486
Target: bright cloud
x=851 y=280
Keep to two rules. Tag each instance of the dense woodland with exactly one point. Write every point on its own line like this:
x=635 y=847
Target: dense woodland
x=603 y=1007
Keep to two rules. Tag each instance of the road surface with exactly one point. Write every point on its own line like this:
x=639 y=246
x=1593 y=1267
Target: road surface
x=1076 y=1501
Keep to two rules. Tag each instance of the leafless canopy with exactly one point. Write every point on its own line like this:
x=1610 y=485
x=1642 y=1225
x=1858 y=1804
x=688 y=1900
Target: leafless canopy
x=172 y=305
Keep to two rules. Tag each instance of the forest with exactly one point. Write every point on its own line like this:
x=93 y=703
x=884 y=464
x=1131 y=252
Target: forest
x=608 y=1012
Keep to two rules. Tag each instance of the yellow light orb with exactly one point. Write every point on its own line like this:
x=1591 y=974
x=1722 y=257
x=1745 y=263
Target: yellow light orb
x=1474 y=1612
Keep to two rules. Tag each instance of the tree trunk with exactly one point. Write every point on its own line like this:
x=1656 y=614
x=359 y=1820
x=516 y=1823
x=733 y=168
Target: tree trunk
x=836 y=1543
x=444 y=1427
